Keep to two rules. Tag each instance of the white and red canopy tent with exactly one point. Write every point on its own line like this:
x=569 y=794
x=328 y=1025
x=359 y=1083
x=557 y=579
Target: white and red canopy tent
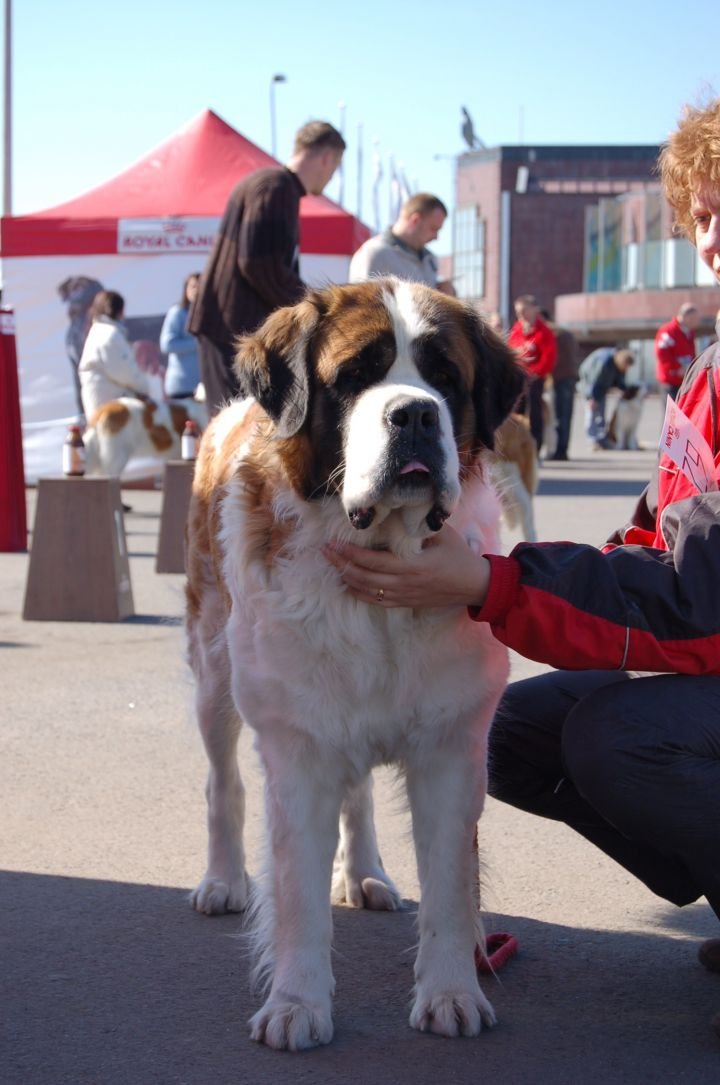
x=140 y=233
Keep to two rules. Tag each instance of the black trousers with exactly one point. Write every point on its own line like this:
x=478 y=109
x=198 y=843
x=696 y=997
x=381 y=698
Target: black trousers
x=531 y=404
x=668 y=390
x=217 y=373
x=632 y=765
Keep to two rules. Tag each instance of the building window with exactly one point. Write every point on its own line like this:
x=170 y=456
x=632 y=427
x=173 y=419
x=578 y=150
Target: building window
x=469 y=253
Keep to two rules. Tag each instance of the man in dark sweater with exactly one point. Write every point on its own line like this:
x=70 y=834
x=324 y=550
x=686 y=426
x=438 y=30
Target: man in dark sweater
x=564 y=377
x=254 y=264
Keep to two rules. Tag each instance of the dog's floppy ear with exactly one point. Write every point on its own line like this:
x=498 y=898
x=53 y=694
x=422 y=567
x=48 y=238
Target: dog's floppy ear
x=499 y=379
x=272 y=365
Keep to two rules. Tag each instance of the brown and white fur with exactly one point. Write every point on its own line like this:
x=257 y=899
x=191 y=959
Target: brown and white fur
x=515 y=474
x=371 y=407
x=127 y=427
x=623 y=428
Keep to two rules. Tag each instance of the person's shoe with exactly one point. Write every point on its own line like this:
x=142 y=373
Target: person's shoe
x=126 y=508
x=709 y=954
x=559 y=457
x=603 y=445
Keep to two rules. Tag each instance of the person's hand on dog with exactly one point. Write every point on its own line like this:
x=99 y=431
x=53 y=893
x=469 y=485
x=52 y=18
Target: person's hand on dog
x=445 y=573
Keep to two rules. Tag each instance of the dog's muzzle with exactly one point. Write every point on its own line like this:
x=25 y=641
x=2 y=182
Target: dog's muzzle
x=410 y=468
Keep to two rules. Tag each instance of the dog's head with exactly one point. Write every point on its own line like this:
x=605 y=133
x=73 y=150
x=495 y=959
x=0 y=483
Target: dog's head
x=383 y=393
x=633 y=392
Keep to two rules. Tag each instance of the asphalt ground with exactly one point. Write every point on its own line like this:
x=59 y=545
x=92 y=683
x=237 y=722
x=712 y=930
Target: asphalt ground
x=108 y=977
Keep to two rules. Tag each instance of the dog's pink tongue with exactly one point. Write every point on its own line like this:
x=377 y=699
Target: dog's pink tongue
x=414 y=465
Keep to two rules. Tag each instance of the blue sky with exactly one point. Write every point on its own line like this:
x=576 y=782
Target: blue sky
x=95 y=87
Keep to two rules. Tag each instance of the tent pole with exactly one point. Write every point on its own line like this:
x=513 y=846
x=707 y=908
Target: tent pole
x=7 y=114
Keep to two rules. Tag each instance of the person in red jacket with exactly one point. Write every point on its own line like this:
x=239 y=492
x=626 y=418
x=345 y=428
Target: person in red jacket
x=536 y=347
x=623 y=743
x=675 y=349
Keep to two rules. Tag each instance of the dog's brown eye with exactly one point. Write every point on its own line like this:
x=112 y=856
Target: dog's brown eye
x=352 y=374
x=443 y=378
x=370 y=366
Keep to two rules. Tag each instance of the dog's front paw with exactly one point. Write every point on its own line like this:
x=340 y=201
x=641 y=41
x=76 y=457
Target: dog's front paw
x=287 y=1024
x=452 y=1013
x=372 y=889
x=214 y=896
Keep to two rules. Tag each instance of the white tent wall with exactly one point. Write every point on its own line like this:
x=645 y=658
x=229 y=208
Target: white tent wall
x=150 y=284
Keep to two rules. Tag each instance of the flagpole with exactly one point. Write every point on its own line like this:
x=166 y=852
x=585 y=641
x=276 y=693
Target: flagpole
x=359 y=171
x=7 y=113
x=377 y=178
x=341 y=167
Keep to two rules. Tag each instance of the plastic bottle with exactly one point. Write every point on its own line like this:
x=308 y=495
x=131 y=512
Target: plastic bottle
x=73 y=453
x=189 y=440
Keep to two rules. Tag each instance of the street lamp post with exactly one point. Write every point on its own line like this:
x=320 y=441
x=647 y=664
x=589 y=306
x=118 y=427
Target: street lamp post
x=273 y=138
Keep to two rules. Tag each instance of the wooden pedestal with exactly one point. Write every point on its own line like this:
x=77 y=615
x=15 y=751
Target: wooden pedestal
x=79 y=569
x=177 y=489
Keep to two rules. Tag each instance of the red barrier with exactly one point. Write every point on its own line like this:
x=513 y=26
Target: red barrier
x=13 y=515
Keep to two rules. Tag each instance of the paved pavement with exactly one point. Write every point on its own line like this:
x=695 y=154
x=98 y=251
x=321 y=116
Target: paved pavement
x=108 y=977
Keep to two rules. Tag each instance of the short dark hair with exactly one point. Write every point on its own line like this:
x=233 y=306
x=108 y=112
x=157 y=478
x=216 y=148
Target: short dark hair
x=318 y=136
x=624 y=356
x=107 y=303
x=422 y=203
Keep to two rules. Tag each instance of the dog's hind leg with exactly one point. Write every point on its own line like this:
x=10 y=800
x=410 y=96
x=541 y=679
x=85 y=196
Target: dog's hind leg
x=225 y=885
x=446 y=797
x=113 y=452
x=358 y=875
x=93 y=464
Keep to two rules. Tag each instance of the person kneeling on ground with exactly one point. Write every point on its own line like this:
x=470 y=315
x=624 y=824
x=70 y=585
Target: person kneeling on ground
x=602 y=370
x=623 y=743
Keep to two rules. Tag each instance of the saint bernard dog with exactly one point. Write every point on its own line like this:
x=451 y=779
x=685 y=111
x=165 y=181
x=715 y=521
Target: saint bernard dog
x=369 y=408
x=128 y=427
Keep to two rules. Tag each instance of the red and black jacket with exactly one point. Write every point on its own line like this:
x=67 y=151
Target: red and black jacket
x=650 y=599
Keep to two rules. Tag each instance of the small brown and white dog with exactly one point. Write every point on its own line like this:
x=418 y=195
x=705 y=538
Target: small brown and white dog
x=370 y=409
x=128 y=427
x=515 y=474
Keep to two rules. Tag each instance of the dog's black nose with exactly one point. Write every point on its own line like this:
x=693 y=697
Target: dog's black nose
x=418 y=416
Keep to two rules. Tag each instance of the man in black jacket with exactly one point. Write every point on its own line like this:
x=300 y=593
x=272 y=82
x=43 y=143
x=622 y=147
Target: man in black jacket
x=254 y=264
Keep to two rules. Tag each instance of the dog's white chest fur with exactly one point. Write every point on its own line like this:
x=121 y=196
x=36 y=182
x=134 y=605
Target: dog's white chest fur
x=367 y=680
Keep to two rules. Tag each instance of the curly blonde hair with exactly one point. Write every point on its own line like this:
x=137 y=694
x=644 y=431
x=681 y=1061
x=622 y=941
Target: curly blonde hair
x=689 y=159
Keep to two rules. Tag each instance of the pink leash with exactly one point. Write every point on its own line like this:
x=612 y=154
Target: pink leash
x=499 y=948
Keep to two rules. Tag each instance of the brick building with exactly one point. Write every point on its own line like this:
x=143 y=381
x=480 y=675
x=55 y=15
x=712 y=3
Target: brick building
x=587 y=230
x=520 y=217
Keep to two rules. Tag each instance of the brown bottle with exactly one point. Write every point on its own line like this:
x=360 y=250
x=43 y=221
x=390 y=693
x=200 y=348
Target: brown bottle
x=189 y=440
x=73 y=458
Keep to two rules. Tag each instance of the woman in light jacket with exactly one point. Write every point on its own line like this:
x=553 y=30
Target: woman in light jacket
x=182 y=375
x=108 y=368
